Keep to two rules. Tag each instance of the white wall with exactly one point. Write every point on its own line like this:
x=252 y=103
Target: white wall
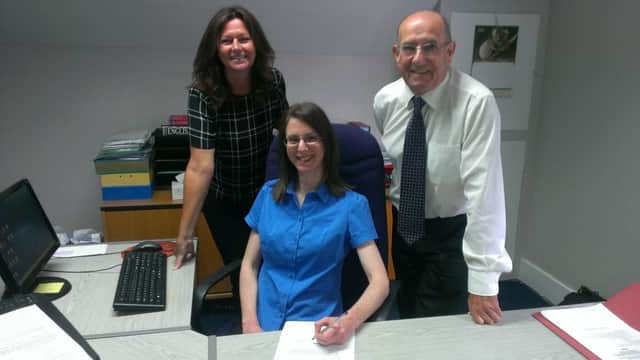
x=75 y=71
x=579 y=219
x=59 y=104
x=515 y=143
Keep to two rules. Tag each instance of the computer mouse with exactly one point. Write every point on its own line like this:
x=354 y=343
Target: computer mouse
x=147 y=245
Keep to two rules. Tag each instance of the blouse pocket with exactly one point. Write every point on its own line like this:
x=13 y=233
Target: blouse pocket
x=444 y=164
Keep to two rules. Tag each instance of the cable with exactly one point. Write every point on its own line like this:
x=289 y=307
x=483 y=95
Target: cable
x=77 y=256
x=82 y=271
x=86 y=271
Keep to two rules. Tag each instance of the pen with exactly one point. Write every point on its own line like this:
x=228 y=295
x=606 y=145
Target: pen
x=333 y=324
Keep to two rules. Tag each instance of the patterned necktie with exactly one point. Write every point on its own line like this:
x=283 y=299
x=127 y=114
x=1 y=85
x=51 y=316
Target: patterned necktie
x=412 y=181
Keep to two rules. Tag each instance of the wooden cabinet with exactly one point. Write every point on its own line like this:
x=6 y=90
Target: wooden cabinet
x=159 y=218
x=390 y=270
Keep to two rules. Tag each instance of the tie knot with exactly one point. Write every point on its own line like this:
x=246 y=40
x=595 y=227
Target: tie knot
x=418 y=103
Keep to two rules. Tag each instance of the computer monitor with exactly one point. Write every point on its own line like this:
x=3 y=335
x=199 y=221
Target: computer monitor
x=27 y=240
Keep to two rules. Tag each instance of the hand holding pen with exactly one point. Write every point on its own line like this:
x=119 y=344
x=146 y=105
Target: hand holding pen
x=334 y=330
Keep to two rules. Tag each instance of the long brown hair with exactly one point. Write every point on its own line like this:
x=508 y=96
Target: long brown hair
x=208 y=71
x=312 y=115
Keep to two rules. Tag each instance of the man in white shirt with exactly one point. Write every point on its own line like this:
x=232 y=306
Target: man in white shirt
x=461 y=254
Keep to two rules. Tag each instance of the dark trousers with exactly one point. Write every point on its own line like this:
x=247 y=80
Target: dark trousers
x=228 y=229
x=432 y=271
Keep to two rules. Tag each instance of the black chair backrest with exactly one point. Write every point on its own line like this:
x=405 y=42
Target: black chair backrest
x=362 y=167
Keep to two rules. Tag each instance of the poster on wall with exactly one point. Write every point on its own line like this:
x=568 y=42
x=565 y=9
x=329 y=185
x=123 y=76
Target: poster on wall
x=500 y=51
x=494 y=57
x=495 y=44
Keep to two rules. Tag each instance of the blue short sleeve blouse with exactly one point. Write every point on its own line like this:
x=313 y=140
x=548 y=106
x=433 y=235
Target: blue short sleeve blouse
x=303 y=249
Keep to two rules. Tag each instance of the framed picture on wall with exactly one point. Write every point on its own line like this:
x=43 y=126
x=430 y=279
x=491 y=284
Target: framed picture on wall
x=499 y=50
x=495 y=44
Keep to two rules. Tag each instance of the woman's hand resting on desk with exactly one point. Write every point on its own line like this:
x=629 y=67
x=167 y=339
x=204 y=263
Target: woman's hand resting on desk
x=335 y=330
x=249 y=327
x=184 y=252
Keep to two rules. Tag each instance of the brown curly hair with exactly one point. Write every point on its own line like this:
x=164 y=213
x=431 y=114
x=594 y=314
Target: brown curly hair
x=208 y=70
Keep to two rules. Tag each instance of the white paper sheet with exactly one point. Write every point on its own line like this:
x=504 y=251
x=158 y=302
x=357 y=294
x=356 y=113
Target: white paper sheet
x=296 y=343
x=28 y=333
x=599 y=330
x=80 y=250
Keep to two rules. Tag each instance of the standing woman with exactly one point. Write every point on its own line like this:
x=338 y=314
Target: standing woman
x=235 y=100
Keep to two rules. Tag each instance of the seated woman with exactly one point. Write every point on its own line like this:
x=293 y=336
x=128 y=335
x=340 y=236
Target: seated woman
x=303 y=225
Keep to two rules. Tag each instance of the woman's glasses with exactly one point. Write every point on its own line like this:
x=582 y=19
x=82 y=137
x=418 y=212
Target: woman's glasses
x=294 y=141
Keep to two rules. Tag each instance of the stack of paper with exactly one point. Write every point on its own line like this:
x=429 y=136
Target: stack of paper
x=610 y=330
x=134 y=139
x=28 y=333
x=125 y=166
x=296 y=342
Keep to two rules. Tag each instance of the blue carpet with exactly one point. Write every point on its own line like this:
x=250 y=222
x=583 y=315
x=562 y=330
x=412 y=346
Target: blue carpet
x=514 y=295
x=222 y=317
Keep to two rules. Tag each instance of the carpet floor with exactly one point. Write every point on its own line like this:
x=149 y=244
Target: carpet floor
x=222 y=317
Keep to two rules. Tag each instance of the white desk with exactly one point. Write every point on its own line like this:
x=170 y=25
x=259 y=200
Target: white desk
x=178 y=345
x=89 y=303
x=518 y=336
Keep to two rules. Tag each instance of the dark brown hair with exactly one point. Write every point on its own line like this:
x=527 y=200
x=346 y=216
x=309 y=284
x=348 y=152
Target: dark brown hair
x=312 y=115
x=208 y=71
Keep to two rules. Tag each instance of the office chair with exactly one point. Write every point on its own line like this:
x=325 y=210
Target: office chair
x=362 y=167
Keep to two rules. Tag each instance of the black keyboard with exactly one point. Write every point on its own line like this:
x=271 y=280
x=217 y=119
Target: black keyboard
x=142 y=282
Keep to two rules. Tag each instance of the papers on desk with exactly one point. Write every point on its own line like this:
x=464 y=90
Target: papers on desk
x=599 y=330
x=28 y=333
x=610 y=330
x=80 y=250
x=296 y=343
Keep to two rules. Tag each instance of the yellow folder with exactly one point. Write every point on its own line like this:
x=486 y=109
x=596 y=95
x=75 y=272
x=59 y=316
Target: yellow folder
x=126 y=179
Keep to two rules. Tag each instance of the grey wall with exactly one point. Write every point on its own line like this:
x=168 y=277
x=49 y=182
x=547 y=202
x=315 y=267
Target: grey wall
x=515 y=143
x=579 y=216
x=60 y=103
x=74 y=71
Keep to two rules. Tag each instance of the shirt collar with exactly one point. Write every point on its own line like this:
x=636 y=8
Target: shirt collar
x=434 y=98
x=322 y=191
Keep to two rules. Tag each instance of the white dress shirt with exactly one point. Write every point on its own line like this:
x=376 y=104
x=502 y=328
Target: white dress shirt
x=464 y=166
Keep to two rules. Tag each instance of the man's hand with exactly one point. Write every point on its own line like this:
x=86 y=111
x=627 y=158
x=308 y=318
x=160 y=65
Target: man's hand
x=184 y=252
x=484 y=310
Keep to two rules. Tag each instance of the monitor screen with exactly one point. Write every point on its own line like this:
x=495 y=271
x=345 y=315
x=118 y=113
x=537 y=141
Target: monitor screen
x=27 y=239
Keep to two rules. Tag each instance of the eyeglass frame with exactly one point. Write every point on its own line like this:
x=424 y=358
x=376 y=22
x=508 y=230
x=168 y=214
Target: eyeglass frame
x=429 y=48
x=308 y=140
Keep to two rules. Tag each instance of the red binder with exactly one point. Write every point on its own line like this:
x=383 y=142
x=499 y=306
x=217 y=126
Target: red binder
x=624 y=305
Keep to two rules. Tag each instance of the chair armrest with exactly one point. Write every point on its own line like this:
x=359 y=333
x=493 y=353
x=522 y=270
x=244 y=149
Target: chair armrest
x=384 y=311
x=203 y=287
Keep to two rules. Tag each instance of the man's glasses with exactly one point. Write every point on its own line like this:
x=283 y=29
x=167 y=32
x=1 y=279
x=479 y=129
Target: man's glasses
x=294 y=141
x=428 y=49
